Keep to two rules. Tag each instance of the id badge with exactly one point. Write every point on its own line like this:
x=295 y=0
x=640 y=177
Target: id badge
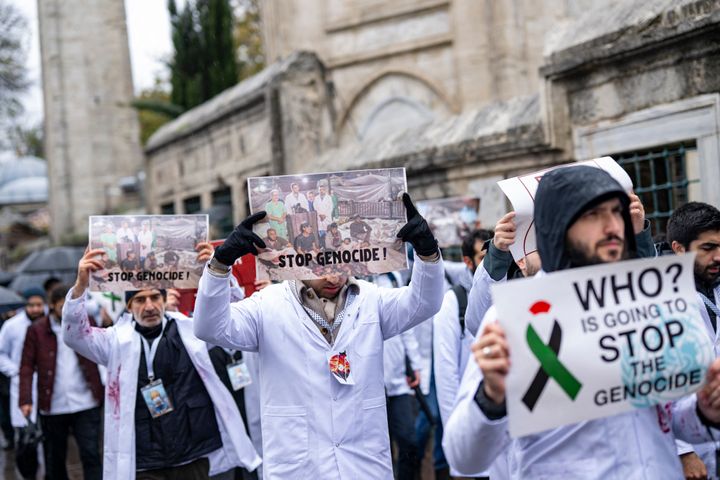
x=239 y=375
x=339 y=365
x=156 y=398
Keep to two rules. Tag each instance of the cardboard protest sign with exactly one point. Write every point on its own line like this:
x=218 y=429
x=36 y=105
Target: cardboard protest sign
x=342 y=223
x=591 y=342
x=147 y=251
x=451 y=219
x=521 y=193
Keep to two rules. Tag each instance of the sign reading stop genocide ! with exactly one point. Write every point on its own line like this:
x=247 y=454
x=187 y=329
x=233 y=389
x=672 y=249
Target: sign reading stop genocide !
x=591 y=342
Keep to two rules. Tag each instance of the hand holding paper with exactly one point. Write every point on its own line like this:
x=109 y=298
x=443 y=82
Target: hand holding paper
x=88 y=263
x=709 y=396
x=505 y=232
x=637 y=213
x=241 y=241
x=205 y=251
x=416 y=231
x=492 y=355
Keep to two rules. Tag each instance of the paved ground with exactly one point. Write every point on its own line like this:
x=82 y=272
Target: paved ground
x=7 y=464
x=8 y=471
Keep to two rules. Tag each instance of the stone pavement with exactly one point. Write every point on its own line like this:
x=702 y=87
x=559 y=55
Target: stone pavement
x=8 y=471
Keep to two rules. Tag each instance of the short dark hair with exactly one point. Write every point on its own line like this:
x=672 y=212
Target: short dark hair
x=689 y=221
x=58 y=293
x=478 y=235
x=51 y=283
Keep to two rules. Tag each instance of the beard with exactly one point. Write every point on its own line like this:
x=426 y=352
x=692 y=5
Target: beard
x=705 y=278
x=579 y=255
x=35 y=316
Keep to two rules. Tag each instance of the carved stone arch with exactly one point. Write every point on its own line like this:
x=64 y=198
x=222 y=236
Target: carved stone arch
x=391 y=100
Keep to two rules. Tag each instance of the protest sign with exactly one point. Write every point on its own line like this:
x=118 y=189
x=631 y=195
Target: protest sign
x=338 y=223
x=451 y=219
x=596 y=341
x=147 y=251
x=521 y=193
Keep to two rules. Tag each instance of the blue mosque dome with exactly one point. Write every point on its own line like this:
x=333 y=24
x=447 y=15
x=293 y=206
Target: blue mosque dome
x=23 y=180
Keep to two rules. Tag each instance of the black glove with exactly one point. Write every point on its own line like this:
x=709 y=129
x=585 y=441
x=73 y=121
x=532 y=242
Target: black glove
x=417 y=232
x=241 y=241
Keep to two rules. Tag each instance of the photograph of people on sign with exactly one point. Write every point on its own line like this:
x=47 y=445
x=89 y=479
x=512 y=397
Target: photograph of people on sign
x=339 y=223
x=521 y=193
x=147 y=251
x=598 y=341
x=451 y=219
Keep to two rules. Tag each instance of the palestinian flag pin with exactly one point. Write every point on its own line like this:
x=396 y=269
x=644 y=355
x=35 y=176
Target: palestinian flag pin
x=340 y=368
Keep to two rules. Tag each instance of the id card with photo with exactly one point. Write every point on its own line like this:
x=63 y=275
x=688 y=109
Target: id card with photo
x=239 y=375
x=156 y=399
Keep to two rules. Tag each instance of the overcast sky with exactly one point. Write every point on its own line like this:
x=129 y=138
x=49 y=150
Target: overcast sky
x=149 y=37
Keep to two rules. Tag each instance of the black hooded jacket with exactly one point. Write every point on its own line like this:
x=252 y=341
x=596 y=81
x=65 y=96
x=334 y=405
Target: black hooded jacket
x=562 y=196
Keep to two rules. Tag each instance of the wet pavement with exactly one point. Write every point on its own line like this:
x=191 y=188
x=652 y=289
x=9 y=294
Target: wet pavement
x=9 y=472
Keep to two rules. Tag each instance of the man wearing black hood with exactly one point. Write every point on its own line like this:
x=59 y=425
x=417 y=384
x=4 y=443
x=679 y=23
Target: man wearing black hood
x=593 y=226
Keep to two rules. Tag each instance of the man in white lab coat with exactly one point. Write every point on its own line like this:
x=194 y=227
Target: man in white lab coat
x=695 y=227
x=451 y=339
x=401 y=408
x=320 y=346
x=12 y=340
x=324 y=207
x=167 y=414
x=593 y=226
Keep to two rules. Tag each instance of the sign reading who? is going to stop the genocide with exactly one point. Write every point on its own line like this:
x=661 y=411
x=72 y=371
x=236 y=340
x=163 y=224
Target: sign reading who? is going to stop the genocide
x=597 y=341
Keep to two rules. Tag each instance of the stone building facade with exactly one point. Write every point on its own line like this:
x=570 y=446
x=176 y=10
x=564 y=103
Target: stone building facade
x=91 y=131
x=463 y=93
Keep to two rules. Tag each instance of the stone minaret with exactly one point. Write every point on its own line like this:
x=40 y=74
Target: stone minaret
x=91 y=131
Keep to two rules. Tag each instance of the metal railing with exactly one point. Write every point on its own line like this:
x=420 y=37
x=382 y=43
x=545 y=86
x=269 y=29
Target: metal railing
x=660 y=180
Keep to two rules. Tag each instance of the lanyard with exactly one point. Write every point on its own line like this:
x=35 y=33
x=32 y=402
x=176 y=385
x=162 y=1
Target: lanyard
x=708 y=303
x=151 y=350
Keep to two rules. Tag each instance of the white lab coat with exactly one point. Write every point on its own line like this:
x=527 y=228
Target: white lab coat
x=252 y=404
x=639 y=444
x=118 y=348
x=324 y=206
x=314 y=427
x=394 y=352
x=706 y=451
x=145 y=238
x=451 y=350
x=291 y=200
x=252 y=391
x=396 y=348
x=479 y=298
x=12 y=340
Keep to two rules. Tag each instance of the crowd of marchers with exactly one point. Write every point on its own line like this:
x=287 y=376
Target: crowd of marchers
x=347 y=378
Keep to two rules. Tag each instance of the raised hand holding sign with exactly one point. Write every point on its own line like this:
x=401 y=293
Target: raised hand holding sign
x=241 y=241
x=416 y=231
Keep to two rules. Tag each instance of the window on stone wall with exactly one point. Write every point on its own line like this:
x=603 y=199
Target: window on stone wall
x=192 y=204
x=168 y=208
x=664 y=178
x=221 y=213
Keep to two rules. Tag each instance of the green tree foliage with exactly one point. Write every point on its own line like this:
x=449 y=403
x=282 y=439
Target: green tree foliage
x=154 y=109
x=217 y=43
x=28 y=140
x=13 y=73
x=248 y=38
x=204 y=61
